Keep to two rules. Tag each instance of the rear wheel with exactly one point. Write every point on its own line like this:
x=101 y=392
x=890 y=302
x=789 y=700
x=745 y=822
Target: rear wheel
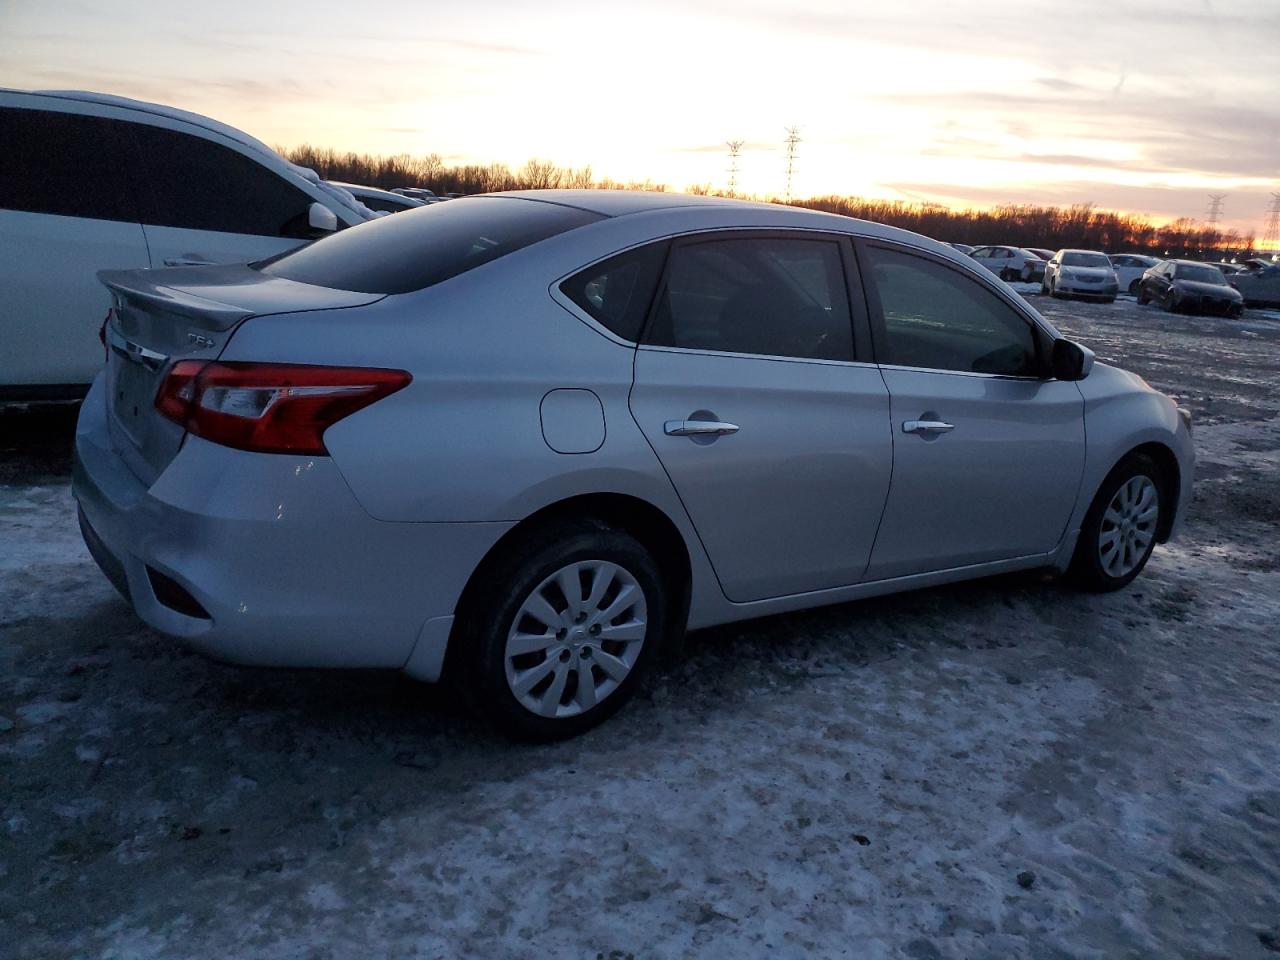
x=561 y=630
x=1119 y=531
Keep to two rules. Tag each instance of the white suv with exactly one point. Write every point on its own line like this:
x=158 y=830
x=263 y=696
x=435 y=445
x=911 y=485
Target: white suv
x=90 y=182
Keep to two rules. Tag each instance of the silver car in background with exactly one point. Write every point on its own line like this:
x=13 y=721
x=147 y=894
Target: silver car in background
x=1086 y=274
x=523 y=441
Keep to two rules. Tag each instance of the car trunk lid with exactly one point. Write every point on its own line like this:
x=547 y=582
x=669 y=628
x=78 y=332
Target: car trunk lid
x=160 y=317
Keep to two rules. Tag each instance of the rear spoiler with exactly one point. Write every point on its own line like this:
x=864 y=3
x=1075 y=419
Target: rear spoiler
x=141 y=288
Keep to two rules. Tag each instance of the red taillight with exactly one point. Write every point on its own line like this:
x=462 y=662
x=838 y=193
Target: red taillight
x=269 y=407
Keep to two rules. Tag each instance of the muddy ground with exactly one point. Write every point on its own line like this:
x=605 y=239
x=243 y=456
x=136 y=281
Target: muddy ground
x=998 y=769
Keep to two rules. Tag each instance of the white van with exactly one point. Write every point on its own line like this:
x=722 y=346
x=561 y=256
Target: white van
x=90 y=182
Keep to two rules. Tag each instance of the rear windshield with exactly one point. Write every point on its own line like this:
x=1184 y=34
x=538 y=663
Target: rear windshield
x=1085 y=260
x=426 y=245
x=1200 y=273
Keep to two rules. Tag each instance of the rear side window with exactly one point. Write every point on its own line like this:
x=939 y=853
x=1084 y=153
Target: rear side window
x=421 y=247
x=937 y=318
x=196 y=184
x=66 y=164
x=772 y=296
x=617 y=292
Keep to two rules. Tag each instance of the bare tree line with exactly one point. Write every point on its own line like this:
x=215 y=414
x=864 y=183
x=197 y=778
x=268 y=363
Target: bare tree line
x=1028 y=225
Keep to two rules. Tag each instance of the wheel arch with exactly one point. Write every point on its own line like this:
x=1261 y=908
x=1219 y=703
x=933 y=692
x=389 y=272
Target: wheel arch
x=639 y=518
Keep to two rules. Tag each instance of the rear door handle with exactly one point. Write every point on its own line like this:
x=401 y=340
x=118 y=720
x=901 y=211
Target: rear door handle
x=698 y=428
x=187 y=262
x=926 y=426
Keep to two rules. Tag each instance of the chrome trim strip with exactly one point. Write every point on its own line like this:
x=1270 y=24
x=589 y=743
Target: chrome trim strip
x=135 y=352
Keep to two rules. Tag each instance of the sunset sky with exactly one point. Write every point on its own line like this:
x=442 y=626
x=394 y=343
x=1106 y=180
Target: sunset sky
x=1138 y=105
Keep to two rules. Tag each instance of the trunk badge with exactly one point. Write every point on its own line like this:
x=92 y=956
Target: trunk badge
x=197 y=340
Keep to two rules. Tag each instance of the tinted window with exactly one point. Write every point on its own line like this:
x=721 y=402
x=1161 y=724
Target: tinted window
x=390 y=206
x=937 y=318
x=66 y=164
x=1200 y=273
x=773 y=296
x=1076 y=259
x=426 y=245
x=197 y=184
x=619 y=291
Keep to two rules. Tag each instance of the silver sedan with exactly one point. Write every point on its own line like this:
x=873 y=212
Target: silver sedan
x=524 y=441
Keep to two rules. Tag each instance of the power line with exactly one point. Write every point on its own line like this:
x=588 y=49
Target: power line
x=1271 y=229
x=1215 y=208
x=792 y=141
x=735 y=148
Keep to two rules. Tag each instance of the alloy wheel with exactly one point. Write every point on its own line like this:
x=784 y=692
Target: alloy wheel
x=1128 y=526
x=575 y=638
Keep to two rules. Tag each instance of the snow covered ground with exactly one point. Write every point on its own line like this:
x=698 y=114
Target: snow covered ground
x=999 y=769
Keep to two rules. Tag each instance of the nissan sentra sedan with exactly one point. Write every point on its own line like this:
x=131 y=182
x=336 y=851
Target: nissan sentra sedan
x=524 y=441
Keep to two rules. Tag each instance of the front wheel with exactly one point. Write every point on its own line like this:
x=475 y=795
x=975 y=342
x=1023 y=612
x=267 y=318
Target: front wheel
x=1135 y=288
x=1143 y=296
x=560 y=631
x=1119 y=531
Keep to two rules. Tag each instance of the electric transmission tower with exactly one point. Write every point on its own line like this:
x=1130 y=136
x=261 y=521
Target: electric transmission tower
x=1271 y=228
x=1215 y=209
x=735 y=148
x=792 y=141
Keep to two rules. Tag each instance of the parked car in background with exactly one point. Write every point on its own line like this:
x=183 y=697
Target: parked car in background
x=962 y=247
x=1033 y=270
x=1259 y=287
x=1005 y=262
x=1129 y=268
x=383 y=201
x=1080 y=273
x=1230 y=269
x=418 y=193
x=542 y=433
x=1187 y=286
x=91 y=182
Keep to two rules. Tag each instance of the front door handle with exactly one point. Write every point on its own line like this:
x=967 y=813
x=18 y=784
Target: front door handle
x=698 y=428
x=926 y=426
x=187 y=262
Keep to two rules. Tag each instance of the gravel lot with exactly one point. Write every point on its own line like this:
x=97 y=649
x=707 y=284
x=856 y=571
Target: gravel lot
x=998 y=769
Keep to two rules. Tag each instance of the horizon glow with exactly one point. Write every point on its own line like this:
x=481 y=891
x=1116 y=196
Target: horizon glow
x=1144 y=110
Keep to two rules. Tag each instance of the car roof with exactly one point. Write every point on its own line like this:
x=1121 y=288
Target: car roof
x=617 y=203
x=156 y=109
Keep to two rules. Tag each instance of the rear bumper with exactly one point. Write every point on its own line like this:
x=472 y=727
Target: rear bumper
x=275 y=550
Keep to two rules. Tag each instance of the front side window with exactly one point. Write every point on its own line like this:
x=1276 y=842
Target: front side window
x=618 y=292
x=196 y=184
x=937 y=318
x=772 y=296
x=67 y=164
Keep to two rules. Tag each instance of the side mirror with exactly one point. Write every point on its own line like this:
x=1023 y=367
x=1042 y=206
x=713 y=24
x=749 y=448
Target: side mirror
x=1070 y=361
x=320 y=219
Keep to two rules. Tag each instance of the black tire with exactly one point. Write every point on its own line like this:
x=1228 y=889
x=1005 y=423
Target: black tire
x=1143 y=296
x=1170 y=301
x=1053 y=290
x=1134 y=288
x=1087 y=571
x=486 y=615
